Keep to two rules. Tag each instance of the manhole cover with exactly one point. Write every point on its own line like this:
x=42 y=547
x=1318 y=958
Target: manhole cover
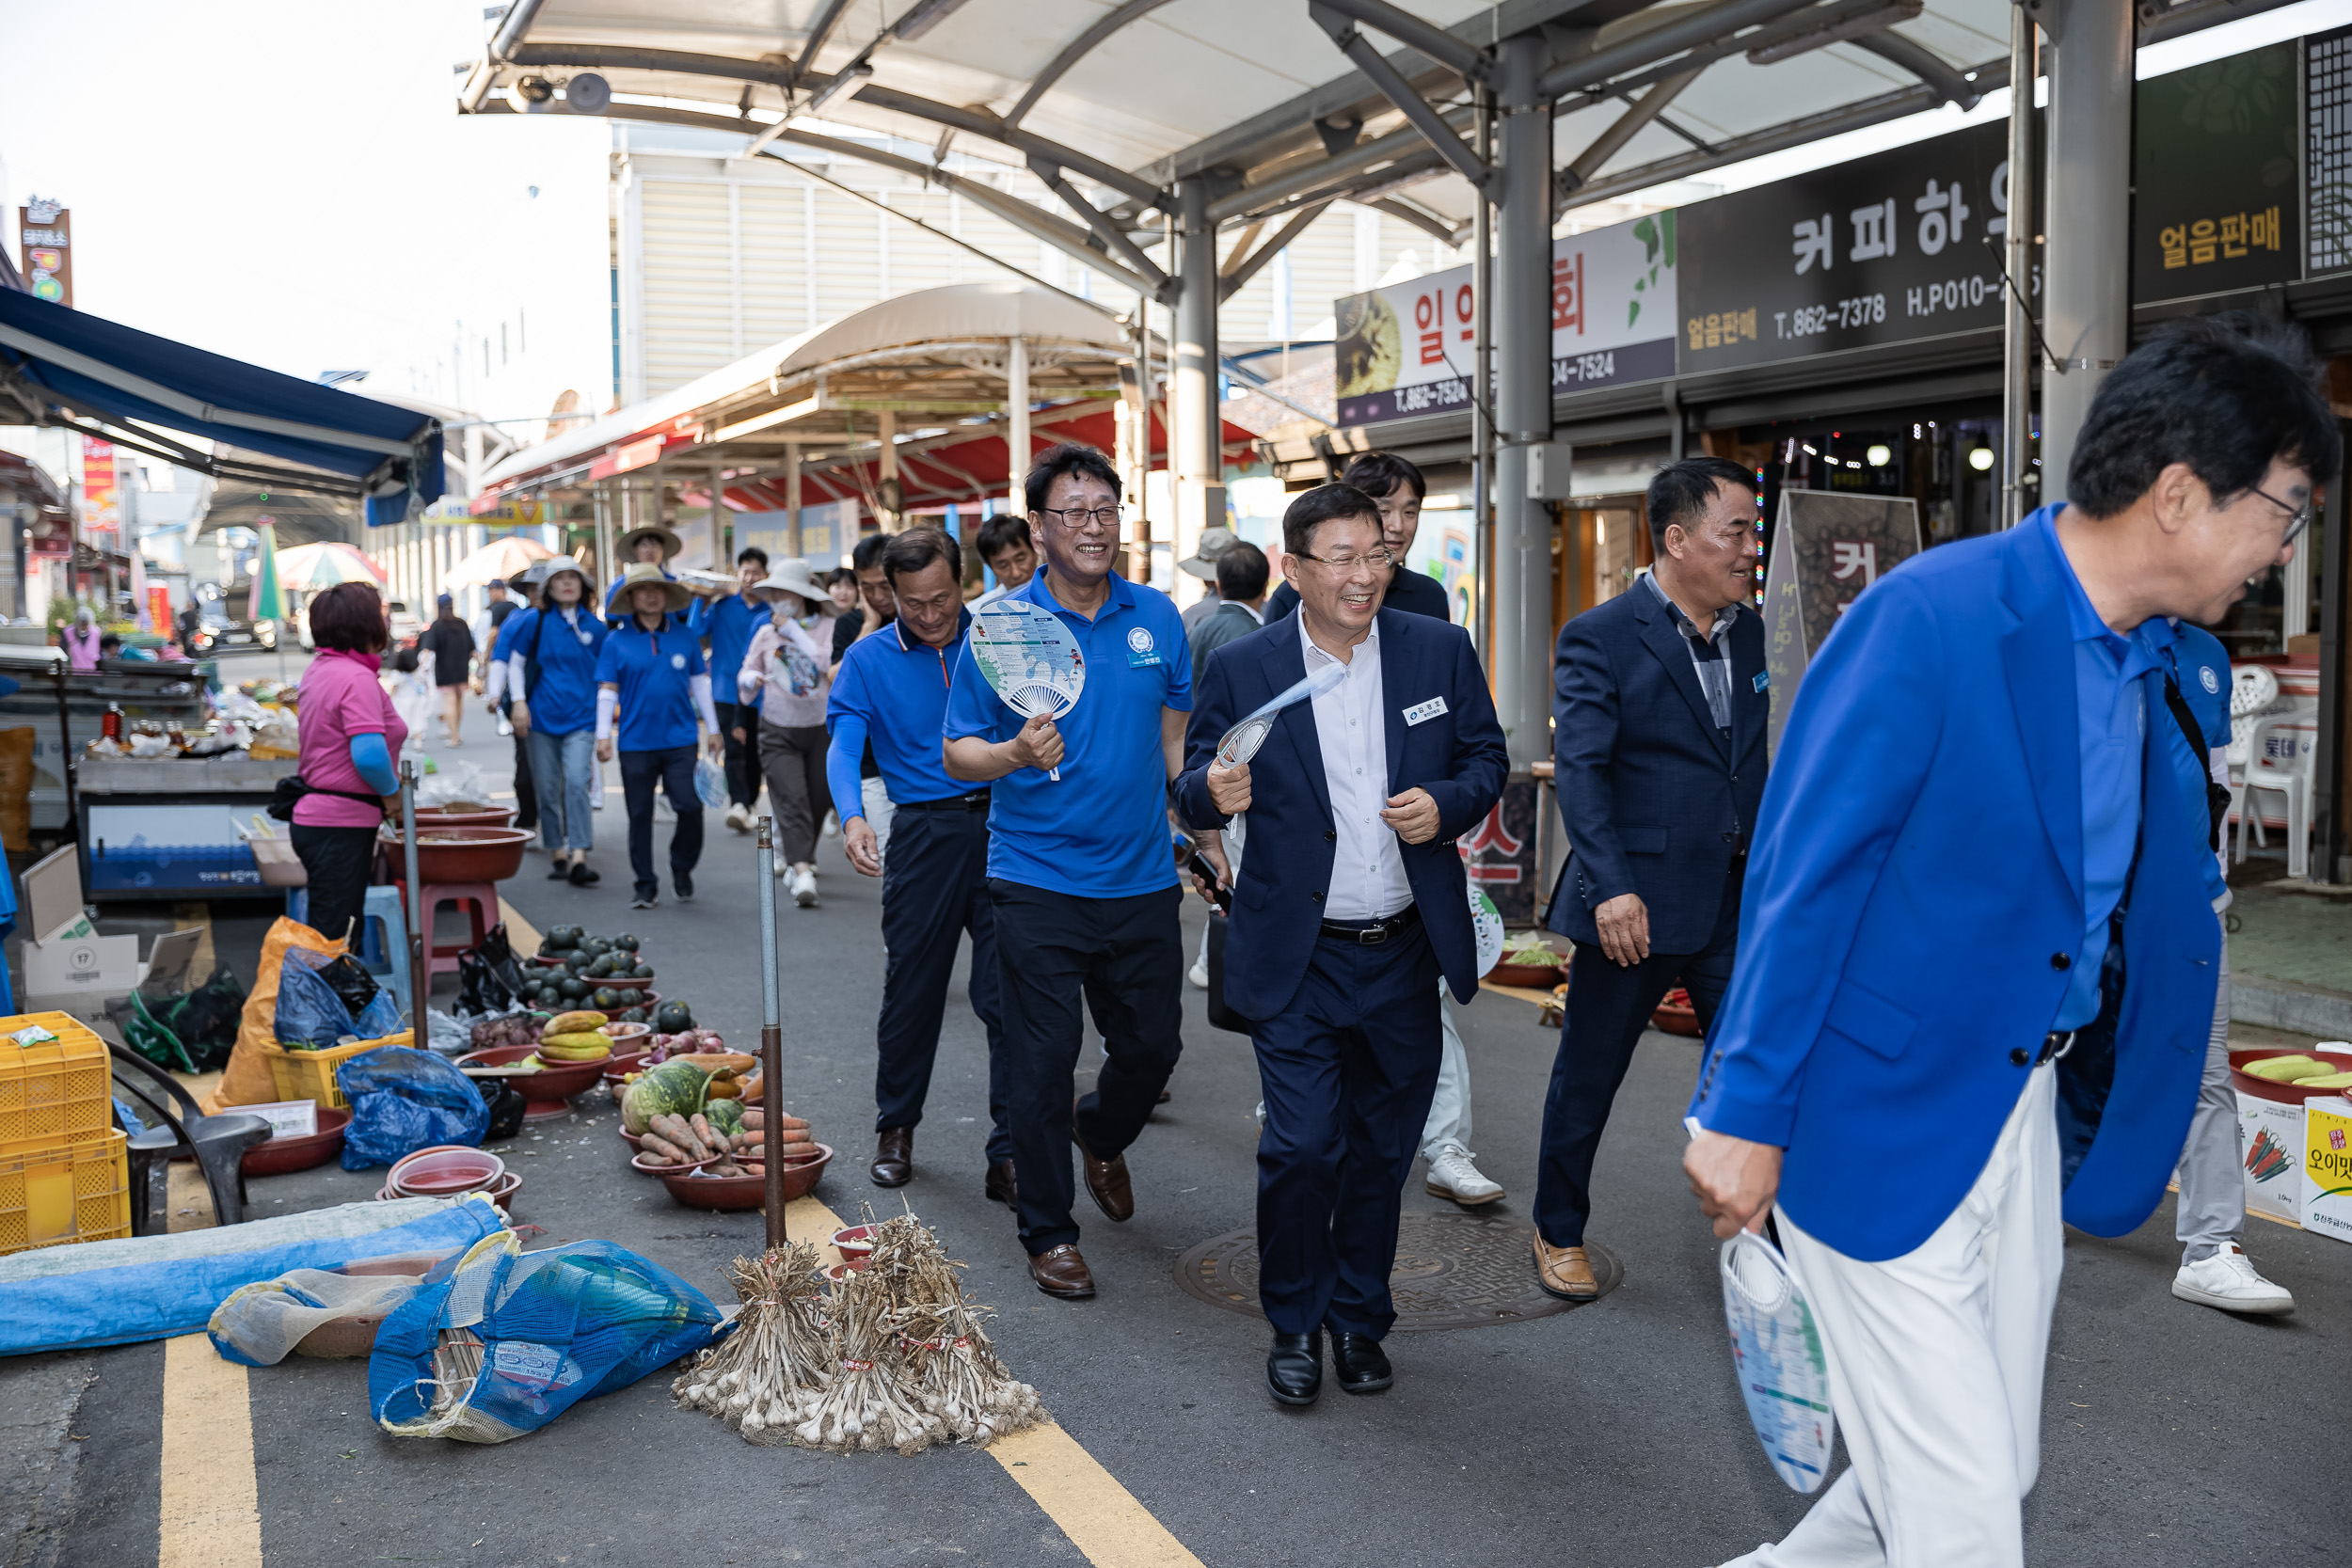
x=1452 y=1271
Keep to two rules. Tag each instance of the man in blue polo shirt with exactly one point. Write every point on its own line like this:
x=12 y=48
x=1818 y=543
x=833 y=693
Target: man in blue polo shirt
x=1080 y=875
x=652 y=686
x=891 y=693
x=728 y=625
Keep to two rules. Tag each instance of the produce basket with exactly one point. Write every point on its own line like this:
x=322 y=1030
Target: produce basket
x=57 y=1091
x=72 y=1193
x=452 y=855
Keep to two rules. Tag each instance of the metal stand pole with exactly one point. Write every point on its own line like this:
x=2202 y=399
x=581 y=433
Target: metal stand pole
x=1197 y=450
x=419 y=926
x=1482 y=389
x=1522 y=337
x=2017 y=344
x=2086 y=269
x=770 y=1035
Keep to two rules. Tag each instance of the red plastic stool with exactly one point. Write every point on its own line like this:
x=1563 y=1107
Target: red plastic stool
x=481 y=903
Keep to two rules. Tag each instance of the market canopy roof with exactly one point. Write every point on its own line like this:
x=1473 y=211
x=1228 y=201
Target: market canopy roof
x=1132 y=96
x=70 y=368
x=938 y=361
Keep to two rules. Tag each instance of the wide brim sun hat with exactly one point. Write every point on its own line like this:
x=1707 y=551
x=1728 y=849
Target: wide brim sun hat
x=794 y=576
x=642 y=574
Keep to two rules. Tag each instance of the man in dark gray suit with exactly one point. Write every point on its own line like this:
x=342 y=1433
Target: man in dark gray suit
x=1659 y=712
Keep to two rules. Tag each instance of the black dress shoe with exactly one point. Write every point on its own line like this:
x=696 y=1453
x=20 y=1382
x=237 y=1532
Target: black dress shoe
x=1362 y=1366
x=1294 y=1367
x=584 y=875
x=1000 y=1187
x=684 y=882
x=894 y=1157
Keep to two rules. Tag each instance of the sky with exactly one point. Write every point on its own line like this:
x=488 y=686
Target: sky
x=288 y=182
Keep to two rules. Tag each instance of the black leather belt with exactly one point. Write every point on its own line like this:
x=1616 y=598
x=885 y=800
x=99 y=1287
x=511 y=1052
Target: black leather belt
x=2057 y=1043
x=977 y=800
x=1372 y=934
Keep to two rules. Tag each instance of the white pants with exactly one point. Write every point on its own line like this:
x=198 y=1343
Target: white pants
x=1935 y=1362
x=2211 y=1211
x=1450 y=1108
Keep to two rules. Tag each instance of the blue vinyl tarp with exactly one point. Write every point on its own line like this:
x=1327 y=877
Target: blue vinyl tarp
x=157 y=1291
x=117 y=372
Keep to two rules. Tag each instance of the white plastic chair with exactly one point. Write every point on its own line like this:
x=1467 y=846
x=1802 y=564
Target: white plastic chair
x=2292 y=779
x=2253 y=687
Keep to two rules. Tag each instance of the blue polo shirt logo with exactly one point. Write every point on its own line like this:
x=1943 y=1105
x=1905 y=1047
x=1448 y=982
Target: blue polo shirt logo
x=2212 y=682
x=677 y=662
x=1140 y=648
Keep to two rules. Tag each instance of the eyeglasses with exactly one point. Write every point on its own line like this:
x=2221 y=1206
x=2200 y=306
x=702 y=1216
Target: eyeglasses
x=1078 y=517
x=2297 y=520
x=1378 y=560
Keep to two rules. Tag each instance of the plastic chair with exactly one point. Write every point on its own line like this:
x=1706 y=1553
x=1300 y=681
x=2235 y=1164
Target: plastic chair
x=2292 y=779
x=481 y=902
x=384 y=941
x=217 y=1144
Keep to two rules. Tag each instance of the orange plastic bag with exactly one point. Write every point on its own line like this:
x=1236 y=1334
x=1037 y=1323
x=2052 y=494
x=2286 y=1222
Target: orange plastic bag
x=246 y=1081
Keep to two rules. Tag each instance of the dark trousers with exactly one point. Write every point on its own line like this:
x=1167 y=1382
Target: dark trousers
x=934 y=890
x=1608 y=1008
x=741 y=763
x=673 y=769
x=340 y=861
x=1126 y=956
x=526 y=793
x=1347 y=1070
x=798 y=794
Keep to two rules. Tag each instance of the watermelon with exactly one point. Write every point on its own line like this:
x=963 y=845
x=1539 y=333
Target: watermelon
x=673 y=1018
x=724 y=1116
x=678 y=1087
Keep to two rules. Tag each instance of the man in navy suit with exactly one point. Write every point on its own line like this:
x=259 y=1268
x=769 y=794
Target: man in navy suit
x=1349 y=905
x=1974 y=849
x=1659 y=712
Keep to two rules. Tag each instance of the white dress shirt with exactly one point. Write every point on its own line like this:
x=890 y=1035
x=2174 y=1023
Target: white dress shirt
x=1367 y=867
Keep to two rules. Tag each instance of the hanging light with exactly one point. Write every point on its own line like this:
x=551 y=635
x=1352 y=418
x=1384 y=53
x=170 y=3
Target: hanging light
x=1980 y=459
x=1880 y=454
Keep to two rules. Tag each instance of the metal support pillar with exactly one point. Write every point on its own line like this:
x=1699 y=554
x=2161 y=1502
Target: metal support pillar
x=607 y=495
x=722 y=540
x=2019 y=257
x=2087 y=265
x=1522 y=337
x=2331 y=797
x=887 y=485
x=1198 y=433
x=1017 y=453
x=793 y=538
x=1481 y=389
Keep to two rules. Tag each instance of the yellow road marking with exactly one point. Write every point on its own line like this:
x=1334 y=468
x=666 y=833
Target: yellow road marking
x=521 y=935
x=1101 y=1517
x=211 y=1515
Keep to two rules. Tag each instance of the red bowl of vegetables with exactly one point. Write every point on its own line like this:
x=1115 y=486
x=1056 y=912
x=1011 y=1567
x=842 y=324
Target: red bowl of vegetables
x=547 y=1092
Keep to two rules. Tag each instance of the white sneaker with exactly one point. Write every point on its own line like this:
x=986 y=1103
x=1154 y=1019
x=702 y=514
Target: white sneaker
x=804 y=890
x=1451 y=1175
x=739 y=818
x=832 y=825
x=2228 y=1280
x=1199 y=975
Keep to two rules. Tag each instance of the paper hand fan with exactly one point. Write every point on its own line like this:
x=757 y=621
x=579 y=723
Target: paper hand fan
x=1777 y=1355
x=1029 y=659
x=1242 y=741
x=1486 y=928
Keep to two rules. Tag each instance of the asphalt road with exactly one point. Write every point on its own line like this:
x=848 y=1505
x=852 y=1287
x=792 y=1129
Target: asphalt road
x=1610 y=1435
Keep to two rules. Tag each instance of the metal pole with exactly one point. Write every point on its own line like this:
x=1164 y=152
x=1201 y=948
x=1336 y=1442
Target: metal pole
x=1017 y=445
x=1522 y=323
x=1482 y=388
x=722 y=539
x=2087 y=276
x=792 y=500
x=2332 y=825
x=419 y=922
x=1198 y=457
x=770 y=1035
x=2017 y=347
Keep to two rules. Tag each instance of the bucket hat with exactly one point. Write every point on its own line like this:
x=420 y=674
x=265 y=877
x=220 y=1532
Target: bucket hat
x=674 y=595
x=794 y=576
x=1213 y=542
x=625 y=550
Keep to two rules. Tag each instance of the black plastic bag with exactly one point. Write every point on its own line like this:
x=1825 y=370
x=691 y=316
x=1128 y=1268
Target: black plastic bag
x=489 y=978
x=506 y=1105
x=1221 y=1015
x=353 y=985
x=206 y=1019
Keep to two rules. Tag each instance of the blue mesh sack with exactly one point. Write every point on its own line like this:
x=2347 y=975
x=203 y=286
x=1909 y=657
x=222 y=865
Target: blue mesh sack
x=403 y=1100
x=504 y=1342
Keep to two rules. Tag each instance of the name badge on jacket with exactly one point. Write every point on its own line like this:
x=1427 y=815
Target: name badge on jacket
x=1419 y=711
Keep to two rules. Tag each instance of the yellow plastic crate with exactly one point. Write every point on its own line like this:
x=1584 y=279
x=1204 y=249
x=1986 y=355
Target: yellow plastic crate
x=58 y=1092
x=310 y=1074
x=72 y=1193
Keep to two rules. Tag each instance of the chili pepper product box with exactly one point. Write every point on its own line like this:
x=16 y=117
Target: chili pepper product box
x=2327 y=1167
x=2270 y=1145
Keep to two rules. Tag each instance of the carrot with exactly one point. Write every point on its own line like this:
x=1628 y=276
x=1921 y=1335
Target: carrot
x=665 y=1149
x=702 y=1130
x=676 y=1129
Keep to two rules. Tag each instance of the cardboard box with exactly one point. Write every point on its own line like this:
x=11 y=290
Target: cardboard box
x=2327 y=1167
x=86 y=966
x=2270 y=1142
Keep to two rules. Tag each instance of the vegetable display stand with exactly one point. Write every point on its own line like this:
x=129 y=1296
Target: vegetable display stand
x=52 y=1092
x=71 y=1192
x=463 y=854
x=545 y=1093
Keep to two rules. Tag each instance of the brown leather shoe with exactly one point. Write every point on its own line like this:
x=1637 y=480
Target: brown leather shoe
x=1060 y=1272
x=894 y=1157
x=999 y=1185
x=1107 y=1181
x=1565 y=1270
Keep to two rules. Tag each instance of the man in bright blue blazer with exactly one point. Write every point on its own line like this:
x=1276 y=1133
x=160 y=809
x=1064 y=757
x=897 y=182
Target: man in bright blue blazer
x=1350 y=903
x=1972 y=801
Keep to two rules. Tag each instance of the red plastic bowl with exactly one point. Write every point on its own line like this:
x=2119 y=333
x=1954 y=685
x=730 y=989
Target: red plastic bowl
x=1676 y=1015
x=442 y=817
x=449 y=855
x=639 y=1165
x=2281 y=1094
x=547 y=1092
x=445 y=1172
x=855 y=1242
x=280 y=1156
x=748 y=1191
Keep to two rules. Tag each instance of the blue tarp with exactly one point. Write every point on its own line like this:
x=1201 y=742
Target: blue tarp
x=133 y=1302
x=98 y=365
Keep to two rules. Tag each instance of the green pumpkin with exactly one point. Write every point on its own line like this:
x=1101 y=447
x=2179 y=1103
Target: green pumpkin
x=673 y=1088
x=574 y=989
x=635 y=1015
x=643 y=972
x=724 y=1116
x=628 y=940
x=673 y=1018
x=560 y=938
